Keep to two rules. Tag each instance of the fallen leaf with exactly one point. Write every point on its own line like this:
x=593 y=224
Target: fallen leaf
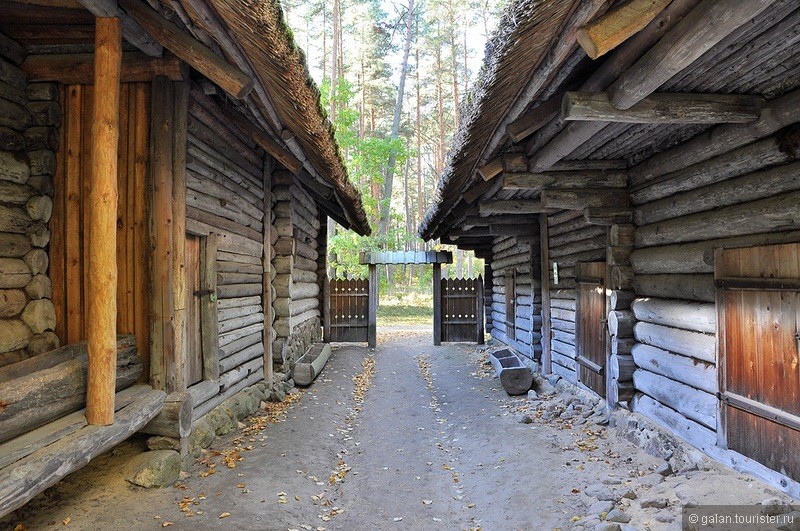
x=166 y=524
x=66 y=520
x=470 y=506
x=427 y=502
x=225 y=515
x=20 y=527
x=398 y=519
x=240 y=485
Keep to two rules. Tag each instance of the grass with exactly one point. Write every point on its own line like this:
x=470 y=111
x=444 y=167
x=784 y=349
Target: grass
x=405 y=309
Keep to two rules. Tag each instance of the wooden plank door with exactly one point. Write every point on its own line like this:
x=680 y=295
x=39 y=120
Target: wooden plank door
x=194 y=344
x=462 y=309
x=590 y=330
x=349 y=310
x=69 y=244
x=511 y=304
x=758 y=304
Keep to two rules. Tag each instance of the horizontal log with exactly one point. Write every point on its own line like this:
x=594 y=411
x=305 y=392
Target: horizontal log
x=202 y=409
x=515 y=377
x=620 y=299
x=564 y=180
x=686 y=342
x=581 y=198
x=241 y=322
x=514 y=206
x=241 y=373
x=583 y=233
x=608 y=31
x=285 y=287
x=700 y=317
x=607 y=216
x=231 y=291
x=569 y=375
x=692 y=403
x=689 y=287
x=175 y=419
x=620 y=323
x=79 y=68
x=287 y=307
x=532 y=121
x=239 y=311
x=242 y=357
x=692 y=432
x=692 y=372
x=225 y=278
x=566 y=350
x=284 y=326
x=664 y=108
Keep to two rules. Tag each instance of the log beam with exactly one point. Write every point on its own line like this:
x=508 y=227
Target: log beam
x=102 y=331
x=78 y=68
x=529 y=123
x=505 y=162
x=607 y=32
x=564 y=180
x=579 y=199
x=227 y=76
x=492 y=230
x=131 y=29
x=513 y=206
x=664 y=108
x=507 y=219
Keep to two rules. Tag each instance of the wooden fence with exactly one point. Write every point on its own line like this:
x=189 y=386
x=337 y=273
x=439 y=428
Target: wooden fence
x=349 y=310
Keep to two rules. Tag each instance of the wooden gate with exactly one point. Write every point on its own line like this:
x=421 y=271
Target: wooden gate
x=758 y=302
x=461 y=309
x=349 y=310
x=590 y=332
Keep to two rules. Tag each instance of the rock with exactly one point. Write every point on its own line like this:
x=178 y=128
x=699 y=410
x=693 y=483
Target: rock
x=543 y=386
x=794 y=523
x=607 y=526
x=617 y=515
x=664 y=469
x=567 y=415
x=14 y=168
x=39 y=288
x=532 y=395
x=552 y=378
x=629 y=528
x=599 y=491
x=775 y=506
x=526 y=420
x=203 y=433
x=664 y=517
x=612 y=481
x=40 y=316
x=654 y=503
x=45 y=342
x=14 y=335
x=628 y=494
x=650 y=480
x=154 y=469
x=601 y=507
x=160 y=442
x=277 y=395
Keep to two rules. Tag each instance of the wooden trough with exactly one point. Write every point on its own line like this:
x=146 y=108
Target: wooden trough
x=514 y=376
x=311 y=363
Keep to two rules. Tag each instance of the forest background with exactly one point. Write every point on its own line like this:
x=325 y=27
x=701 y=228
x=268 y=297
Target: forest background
x=392 y=75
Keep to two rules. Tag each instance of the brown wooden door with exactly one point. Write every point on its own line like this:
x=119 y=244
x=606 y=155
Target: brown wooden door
x=462 y=309
x=349 y=310
x=69 y=244
x=511 y=304
x=758 y=301
x=590 y=327
x=194 y=344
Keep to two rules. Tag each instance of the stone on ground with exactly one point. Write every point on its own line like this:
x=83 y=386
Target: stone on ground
x=616 y=515
x=160 y=468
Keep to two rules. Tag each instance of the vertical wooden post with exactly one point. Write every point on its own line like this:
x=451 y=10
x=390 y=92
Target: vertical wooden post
x=479 y=310
x=545 y=258
x=266 y=293
x=322 y=277
x=179 y=233
x=163 y=370
x=103 y=224
x=437 y=304
x=209 y=320
x=372 y=334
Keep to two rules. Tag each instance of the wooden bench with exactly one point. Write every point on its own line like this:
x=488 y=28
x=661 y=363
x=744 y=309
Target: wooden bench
x=515 y=377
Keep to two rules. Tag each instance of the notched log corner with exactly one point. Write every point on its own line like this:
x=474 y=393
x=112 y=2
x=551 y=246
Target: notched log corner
x=789 y=141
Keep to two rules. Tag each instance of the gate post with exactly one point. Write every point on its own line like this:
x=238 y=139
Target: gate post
x=372 y=336
x=437 y=304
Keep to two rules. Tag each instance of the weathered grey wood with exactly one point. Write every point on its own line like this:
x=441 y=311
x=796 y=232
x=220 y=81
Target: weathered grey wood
x=513 y=206
x=684 y=44
x=243 y=356
x=771 y=214
x=238 y=290
x=209 y=321
x=311 y=363
x=620 y=299
x=692 y=432
x=217 y=399
x=689 y=371
x=621 y=367
x=240 y=322
x=776 y=115
x=564 y=180
x=12 y=50
x=620 y=323
x=175 y=419
x=529 y=123
x=664 y=108
x=45 y=467
x=240 y=344
x=580 y=199
x=515 y=377
x=692 y=403
x=690 y=287
x=203 y=391
x=37 y=398
x=437 y=304
x=687 y=342
x=700 y=317
x=241 y=373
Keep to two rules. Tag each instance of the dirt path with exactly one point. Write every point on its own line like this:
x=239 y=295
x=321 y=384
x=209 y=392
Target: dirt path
x=421 y=438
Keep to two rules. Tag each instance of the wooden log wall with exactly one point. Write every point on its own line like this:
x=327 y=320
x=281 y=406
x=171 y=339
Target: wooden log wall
x=225 y=198
x=740 y=190
x=30 y=116
x=518 y=255
x=571 y=240
x=619 y=295
x=296 y=263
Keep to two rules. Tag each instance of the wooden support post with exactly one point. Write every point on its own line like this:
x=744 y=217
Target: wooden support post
x=479 y=309
x=163 y=369
x=103 y=225
x=179 y=295
x=437 y=304
x=266 y=293
x=209 y=320
x=545 y=267
x=372 y=334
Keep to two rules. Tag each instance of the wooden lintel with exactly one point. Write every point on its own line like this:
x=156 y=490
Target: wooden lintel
x=581 y=198
x=229 y=77
x=511 y=206
x=529 y=123
x=607 y=216
x=565 y=180
x=132 y=31
x=664 y=108
x=71 y=69
x=614 y=27
x=505 y=219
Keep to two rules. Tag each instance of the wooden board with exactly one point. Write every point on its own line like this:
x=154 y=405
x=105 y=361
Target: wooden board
x=194 y=347
x=349 y=310
x=69 y=240
x=590 y=330
x=461 y=309
x=511 y=303
x=759 y=353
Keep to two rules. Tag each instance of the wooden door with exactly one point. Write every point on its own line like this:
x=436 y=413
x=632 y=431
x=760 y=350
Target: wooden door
x=69 y=244
x=462 y=309
x=511 y=304
x=758 y=302
x=590 y=330
x=194 y=344
x=349 y=310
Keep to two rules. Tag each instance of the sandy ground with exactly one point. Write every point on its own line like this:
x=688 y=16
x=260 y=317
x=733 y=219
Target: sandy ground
x=422 y=438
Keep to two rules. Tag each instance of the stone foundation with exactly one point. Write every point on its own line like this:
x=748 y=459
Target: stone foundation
x=298 y=343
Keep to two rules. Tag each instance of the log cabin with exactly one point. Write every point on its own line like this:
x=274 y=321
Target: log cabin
x=166 y=179
x=629 y=169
